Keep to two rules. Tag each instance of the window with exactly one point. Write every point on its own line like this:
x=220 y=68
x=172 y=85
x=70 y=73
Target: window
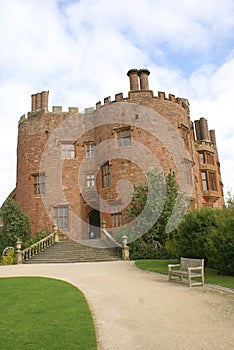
x=106 y=175
x=206 y=158
x=116 y=215
x=89 y=150
x=209 y=181
x=209 y=158
x=212 y=181
x=39 y=184
x=90 y=180
x=124 y=137
x=204 y=181
x=201 y=158
x=61 y=217
x=67 y=151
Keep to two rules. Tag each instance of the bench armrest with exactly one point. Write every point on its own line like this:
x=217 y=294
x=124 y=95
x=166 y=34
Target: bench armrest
x=172 y=265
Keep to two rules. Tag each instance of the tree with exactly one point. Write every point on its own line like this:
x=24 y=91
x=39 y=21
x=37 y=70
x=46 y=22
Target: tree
x=15 y=224
x=230 y=200
x=150 y=209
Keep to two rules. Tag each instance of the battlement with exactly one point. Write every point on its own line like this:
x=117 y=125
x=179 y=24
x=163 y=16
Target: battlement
x=139 y=85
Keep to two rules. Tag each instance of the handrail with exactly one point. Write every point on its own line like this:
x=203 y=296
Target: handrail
x=108 y=235
x=38 y=247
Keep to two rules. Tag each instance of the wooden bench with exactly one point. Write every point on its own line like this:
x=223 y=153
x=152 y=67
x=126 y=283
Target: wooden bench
x=190 y=268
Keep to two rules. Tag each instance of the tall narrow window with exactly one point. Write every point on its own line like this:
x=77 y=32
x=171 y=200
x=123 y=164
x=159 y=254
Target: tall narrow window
x=116 y=215
x=89 y=150
x=201 y=158
x=124 y=137
x=39 y=183
x=90 y=180
x=61 y=217
x=204 y=181
x=209 y=158
x=67 y=151
x=106 y=175
x=212 y=181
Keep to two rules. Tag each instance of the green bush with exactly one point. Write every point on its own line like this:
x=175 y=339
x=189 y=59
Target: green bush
x=194 y=234
x=9 y=258
x=34 y=239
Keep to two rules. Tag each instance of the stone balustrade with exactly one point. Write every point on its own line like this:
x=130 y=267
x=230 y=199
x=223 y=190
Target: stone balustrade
x=27 y=253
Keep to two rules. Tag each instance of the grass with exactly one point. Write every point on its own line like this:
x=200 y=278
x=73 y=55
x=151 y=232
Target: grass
x=211 y=275
x=42 y=313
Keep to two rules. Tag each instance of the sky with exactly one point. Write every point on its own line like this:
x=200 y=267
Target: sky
x=81 y=51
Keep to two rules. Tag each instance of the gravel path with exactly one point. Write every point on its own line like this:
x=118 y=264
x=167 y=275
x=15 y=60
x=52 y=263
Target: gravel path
x=134 y=310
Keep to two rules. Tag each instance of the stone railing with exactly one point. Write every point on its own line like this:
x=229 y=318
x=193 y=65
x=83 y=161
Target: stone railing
x=27 y=253
x=107 y=236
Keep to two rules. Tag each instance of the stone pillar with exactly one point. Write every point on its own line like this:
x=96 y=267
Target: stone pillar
x=125 y=252
x=144 y=83
x=18 y=253
x=44 y=100
x=125 y=248
x=133 y=77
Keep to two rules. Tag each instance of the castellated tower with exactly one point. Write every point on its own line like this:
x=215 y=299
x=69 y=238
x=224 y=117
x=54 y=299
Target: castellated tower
x=76 y=170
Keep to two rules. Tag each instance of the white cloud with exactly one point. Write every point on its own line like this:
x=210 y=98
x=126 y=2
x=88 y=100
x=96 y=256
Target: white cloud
x=82 y=50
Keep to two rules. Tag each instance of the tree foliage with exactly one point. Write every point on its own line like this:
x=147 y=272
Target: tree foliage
x=151 y=208
x=15 y=224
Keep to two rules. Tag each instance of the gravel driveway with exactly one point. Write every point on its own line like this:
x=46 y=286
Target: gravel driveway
x=134 y=310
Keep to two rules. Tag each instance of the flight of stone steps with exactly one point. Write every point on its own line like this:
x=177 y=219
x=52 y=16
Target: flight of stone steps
x=71 y=252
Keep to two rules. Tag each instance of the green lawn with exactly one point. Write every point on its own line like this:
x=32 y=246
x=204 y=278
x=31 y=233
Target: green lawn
x=211 y=275
x=44 y=314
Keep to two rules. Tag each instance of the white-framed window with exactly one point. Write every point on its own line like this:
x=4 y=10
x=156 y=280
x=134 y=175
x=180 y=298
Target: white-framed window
x=67 y=150
x=89 y=150
x=124 y=137
x=90 y=180
x=61 y=217
x=39 y=183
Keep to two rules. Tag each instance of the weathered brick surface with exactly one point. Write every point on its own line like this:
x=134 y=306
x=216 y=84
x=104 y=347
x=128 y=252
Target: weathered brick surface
x=156 y=124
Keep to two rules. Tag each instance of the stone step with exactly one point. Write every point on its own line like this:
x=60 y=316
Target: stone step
x=70 y=252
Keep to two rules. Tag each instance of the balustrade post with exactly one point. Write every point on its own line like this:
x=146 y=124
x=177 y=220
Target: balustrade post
x=18 y=253
x=125 y=248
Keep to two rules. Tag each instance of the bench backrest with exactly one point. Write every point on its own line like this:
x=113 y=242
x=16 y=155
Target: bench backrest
x=187 y=262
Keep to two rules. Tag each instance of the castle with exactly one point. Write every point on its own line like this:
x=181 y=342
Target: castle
x=77 y=170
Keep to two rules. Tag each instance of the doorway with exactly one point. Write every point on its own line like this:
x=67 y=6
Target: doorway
x=94 y=224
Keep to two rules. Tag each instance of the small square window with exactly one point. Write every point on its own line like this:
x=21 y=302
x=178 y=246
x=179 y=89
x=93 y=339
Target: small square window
x=124 y=137
x=89 y=150
x=90 y=180
x=67 y=151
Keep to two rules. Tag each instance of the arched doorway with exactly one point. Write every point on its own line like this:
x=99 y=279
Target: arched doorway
x=94 y=224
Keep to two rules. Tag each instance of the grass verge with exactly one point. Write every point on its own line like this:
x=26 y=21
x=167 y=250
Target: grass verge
x=211 y=275
x=42 y=313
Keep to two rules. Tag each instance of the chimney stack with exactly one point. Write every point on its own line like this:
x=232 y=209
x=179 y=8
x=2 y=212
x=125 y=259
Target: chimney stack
x=133 y=77
x=40 y=101
x=144 y=83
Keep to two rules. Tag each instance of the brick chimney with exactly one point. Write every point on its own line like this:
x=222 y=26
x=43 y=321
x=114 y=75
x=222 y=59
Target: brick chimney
x=133 y=77
x=144 y=83
x=40 y=101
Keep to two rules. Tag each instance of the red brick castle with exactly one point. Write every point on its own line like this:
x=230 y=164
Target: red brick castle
x=75 y=170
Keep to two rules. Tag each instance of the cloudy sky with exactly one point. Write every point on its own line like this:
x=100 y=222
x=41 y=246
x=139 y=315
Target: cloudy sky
x=81 y=51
